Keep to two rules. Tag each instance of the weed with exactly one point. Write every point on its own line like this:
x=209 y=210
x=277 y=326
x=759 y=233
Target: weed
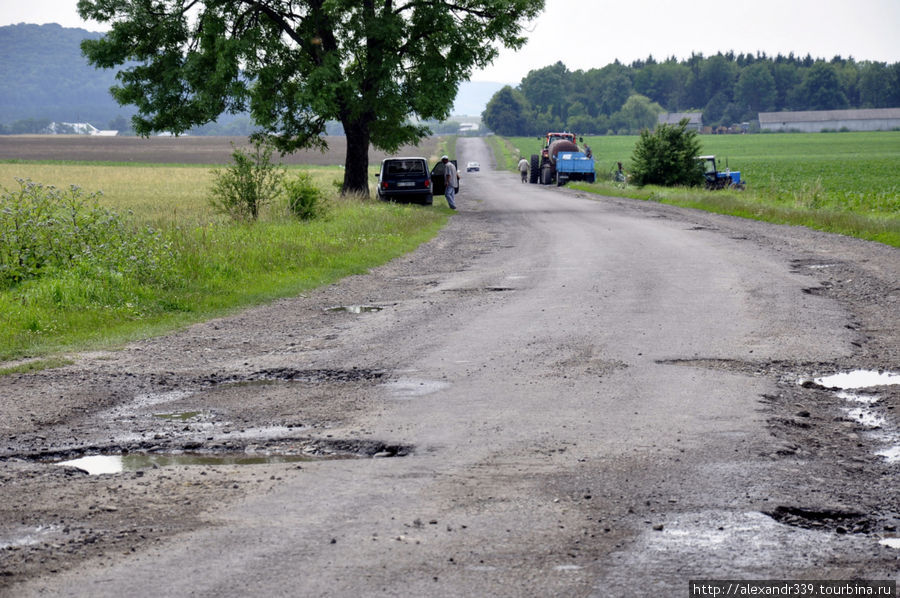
x=305 y=200
x=249 y=183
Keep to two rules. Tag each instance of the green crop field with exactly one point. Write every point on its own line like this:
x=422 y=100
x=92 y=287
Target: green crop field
x=815 y=179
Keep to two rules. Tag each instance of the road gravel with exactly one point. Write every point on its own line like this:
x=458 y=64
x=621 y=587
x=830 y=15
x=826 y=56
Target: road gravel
x=560 y=395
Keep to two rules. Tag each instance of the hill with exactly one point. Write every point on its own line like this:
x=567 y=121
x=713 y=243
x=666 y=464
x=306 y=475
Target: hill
x=46 y=77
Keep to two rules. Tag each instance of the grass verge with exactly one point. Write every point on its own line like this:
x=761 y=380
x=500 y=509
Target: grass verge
x=212 y=266
x=748 y=204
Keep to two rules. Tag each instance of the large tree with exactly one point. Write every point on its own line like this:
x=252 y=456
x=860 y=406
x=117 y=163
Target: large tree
x=374 y=65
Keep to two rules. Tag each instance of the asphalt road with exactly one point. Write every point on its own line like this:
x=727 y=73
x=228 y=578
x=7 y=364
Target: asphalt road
x=584 y=390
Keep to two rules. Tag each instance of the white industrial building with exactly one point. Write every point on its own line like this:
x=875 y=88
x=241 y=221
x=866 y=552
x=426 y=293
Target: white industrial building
x=695 y=119
x=815 y=121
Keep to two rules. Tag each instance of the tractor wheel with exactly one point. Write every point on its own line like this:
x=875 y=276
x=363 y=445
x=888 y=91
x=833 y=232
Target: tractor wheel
x=535 y=169
x=546 y=175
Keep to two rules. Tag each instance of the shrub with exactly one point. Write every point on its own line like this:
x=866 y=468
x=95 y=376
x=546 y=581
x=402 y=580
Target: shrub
x=249 y=183
x=43 y=229
x=305 y=200
x=667 y=157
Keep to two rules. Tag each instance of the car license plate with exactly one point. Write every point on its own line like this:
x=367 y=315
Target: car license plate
x=406 y=184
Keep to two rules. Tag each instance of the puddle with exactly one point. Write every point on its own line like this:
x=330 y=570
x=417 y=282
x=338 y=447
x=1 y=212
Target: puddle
x=567 y=568
x=111 y=464
x=182 y=416
x=858 y=379
x=891 y=454
x=845 y=385
x=354 y=309
x=411 y=388
x=30 y=537
x=857 y=397
x=866 y=417
x=890 y=542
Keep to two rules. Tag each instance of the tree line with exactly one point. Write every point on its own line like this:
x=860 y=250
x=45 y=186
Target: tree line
x=727 y=88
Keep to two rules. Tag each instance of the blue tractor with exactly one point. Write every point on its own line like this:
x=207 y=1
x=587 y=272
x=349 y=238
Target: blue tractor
x=717 y=179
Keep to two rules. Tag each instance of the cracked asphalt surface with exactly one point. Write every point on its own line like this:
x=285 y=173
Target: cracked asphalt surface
x=560 y=395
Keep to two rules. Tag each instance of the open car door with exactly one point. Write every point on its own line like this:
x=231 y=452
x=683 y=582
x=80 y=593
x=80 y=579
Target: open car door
x=437 y=178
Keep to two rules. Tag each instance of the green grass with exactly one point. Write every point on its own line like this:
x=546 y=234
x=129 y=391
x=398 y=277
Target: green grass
x=219 y=266
x=846 y=183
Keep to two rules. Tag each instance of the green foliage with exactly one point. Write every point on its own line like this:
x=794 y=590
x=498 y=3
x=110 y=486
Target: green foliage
x=219 y=267
x=505 y=113
x=252 y=181
x=378 y=68
x=667 y=157
x=305 y=199
x=728 y=88
x=45 y=230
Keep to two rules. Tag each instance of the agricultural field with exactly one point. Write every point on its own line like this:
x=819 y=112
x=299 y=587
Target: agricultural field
x=849 y=177
x=159 y=256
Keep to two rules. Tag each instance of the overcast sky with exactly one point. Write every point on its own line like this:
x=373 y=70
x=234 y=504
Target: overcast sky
x=585 y=34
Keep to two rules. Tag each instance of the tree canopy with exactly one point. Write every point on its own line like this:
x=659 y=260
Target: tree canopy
x=376 y=66
x=727 y=88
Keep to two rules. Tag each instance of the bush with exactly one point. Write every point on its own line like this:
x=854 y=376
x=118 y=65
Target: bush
x=251 y=182
x=667 y=157
x=305 y=200
x=45 y=229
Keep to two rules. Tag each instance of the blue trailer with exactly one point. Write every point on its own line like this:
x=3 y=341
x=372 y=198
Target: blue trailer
x=574 y=166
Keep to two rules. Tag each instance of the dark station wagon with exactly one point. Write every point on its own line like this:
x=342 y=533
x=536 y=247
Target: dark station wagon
x=404 y=180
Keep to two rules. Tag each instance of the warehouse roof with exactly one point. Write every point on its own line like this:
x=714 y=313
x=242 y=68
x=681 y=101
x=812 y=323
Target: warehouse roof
x=828 y=115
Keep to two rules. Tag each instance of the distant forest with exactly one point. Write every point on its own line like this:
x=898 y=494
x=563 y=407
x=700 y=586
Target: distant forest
x=47 y=79
x=726 y=88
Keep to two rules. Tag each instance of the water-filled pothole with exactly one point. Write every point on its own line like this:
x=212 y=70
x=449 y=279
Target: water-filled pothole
x=354 y=309
x=180 y=416
x=866 y=412
x=857 y=379
x=836 y=520
x=110 y=464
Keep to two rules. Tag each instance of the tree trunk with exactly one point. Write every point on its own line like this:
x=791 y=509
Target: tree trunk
x=356 y=164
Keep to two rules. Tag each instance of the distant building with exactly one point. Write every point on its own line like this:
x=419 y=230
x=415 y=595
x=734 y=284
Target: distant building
x=815 y=121
x=56 y=128
x=465 y=128
x=695 y=119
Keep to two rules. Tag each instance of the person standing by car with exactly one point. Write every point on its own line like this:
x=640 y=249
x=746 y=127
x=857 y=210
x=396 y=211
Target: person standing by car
x=523 y=169
x=451 y=181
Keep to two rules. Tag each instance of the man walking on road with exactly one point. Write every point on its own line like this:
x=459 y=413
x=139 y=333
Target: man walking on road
x=523 y=169
x=451 y=181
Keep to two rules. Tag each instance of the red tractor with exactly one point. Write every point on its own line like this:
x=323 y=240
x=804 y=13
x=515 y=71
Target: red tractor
x=545 y=166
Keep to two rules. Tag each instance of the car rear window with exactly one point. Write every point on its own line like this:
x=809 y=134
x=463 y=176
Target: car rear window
x=401 y=167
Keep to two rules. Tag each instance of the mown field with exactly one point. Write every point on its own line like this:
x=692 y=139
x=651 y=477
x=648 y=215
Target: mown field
x=182 y=262
x=842 y=182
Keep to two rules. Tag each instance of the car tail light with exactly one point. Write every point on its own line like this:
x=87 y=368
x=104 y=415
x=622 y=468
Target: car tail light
x=427 y=183
x=384 y=185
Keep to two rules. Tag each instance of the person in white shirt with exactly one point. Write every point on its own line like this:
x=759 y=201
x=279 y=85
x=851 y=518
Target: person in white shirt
x=451 y=181
x=523 y=169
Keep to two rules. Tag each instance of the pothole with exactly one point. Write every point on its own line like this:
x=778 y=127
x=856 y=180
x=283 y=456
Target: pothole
x=866 y=412
x=181 y=416
x=856 y=379
x=311 y=375
x=112 y=464
x=354 y=309
x=408 y=388
x=840 y=521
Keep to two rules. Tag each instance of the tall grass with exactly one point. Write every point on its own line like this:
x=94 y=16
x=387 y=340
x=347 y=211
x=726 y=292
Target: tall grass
x=219 y=266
